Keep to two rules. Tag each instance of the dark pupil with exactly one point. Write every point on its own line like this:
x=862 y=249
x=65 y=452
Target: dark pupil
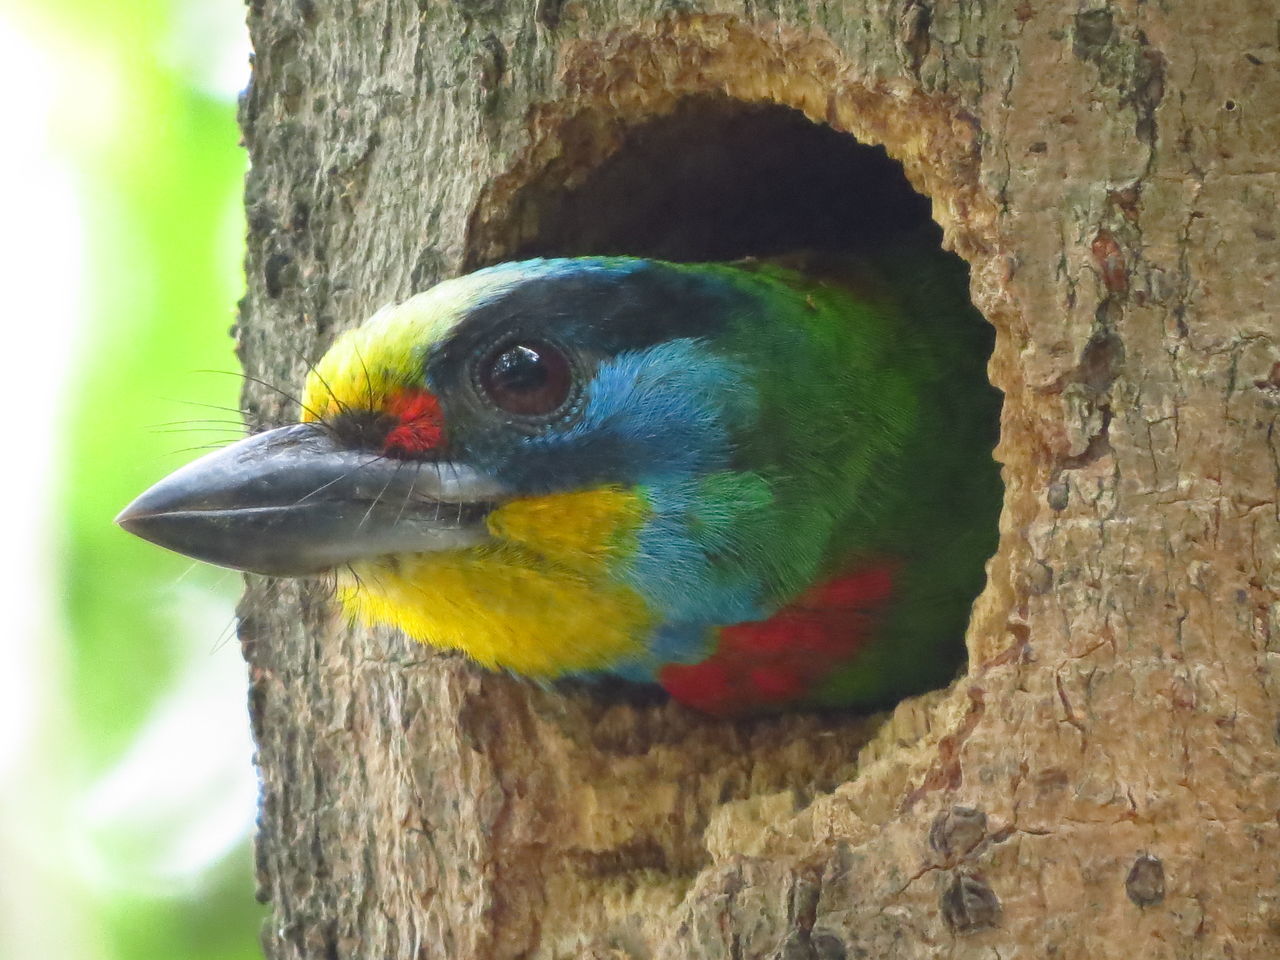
x=529 y=379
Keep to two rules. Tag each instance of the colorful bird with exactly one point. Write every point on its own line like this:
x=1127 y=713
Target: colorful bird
x=758 y=485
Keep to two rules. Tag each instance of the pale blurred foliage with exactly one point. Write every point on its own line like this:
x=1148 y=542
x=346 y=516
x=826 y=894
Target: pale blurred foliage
x=126 y=783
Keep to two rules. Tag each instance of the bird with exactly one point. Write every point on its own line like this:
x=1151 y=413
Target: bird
x=758 y=486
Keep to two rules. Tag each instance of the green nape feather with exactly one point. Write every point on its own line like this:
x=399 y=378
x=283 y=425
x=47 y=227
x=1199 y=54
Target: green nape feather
x=937 y=505
x=877 y=429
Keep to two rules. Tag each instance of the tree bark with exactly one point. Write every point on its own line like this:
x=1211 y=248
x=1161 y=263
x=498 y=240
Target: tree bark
x=1104 y=781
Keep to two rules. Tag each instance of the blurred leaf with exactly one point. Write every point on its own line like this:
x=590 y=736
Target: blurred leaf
x=160 y=786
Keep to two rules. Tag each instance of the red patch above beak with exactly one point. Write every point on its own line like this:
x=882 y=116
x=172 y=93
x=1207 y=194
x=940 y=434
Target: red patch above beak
x=419 y=423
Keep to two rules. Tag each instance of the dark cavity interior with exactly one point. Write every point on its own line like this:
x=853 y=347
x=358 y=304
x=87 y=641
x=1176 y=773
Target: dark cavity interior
x=718 y=180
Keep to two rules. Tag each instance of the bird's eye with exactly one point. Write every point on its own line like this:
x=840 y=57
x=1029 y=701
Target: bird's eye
x=531 y=378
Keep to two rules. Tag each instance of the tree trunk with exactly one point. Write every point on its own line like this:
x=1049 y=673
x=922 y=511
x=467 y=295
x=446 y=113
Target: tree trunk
x=1104 y=781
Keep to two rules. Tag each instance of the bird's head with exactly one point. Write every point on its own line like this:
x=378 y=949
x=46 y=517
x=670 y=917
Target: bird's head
x=482 y=464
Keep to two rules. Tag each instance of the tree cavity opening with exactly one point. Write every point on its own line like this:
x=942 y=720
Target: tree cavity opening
x=715 y=179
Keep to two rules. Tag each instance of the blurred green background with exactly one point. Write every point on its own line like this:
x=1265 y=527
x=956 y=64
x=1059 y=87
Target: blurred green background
x=127 y=792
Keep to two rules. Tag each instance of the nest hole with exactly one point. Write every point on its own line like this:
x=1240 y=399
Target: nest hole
x=715 y=179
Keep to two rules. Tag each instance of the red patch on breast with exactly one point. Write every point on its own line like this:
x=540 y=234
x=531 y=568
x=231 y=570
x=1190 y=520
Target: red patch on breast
x=768 y=663
x=419 y=423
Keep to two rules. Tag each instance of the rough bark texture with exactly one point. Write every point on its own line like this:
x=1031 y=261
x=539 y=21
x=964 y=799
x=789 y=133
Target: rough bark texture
x=1105 y=780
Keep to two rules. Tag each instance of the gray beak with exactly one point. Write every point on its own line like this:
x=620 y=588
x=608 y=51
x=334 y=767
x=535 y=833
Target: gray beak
x=291 y=503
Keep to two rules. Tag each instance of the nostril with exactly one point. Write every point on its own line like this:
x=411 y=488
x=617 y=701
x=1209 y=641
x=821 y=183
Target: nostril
x=361 y=429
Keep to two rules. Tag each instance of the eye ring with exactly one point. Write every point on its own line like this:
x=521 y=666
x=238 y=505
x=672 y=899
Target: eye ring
x=527 y=378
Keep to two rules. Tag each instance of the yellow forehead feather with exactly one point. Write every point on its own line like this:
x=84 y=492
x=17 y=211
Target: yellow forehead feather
x=386 y=352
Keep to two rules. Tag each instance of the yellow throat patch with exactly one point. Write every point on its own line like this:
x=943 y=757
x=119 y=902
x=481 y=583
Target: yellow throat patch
x=539 y=600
